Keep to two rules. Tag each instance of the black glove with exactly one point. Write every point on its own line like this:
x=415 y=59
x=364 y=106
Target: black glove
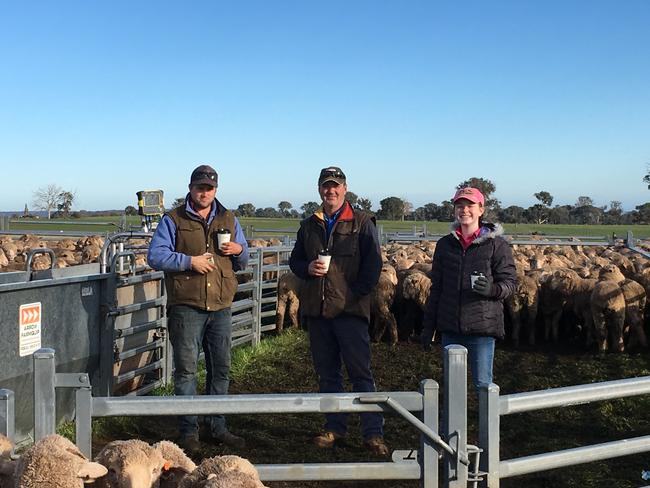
x=482 y=286
x=425 y=339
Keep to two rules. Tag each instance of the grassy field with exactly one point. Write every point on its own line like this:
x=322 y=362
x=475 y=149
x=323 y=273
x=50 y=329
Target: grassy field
x=283 y=365
x=265 y=226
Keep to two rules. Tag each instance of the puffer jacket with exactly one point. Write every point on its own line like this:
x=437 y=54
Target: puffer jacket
x=452 y=305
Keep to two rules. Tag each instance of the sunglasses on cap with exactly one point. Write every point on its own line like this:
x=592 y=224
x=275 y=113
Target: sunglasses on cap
x=332 y=174
x=200 y=175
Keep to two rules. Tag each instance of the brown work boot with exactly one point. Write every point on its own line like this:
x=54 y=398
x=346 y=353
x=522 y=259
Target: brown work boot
x=376 y=445
x=229 y=439
x=190 y=444
x=327 y=439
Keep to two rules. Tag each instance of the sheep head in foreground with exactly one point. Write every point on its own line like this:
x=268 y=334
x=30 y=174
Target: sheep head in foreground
x=213 y=470
x=177 y=464
x=130 y=464
x=55 y=462
x=231 y=479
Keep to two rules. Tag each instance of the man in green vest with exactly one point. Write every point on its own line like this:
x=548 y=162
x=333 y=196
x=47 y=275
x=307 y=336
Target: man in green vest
x=200 y=282
x=338 y=256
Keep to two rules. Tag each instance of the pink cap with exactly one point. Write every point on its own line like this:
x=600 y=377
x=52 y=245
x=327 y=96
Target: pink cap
x=469 y=193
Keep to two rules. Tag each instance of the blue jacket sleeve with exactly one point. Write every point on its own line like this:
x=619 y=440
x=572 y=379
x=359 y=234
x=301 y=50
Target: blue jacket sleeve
x=162 y=255
x=370 y=260
x=241 y=261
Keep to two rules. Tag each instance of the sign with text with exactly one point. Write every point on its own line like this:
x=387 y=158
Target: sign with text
x=29 y=328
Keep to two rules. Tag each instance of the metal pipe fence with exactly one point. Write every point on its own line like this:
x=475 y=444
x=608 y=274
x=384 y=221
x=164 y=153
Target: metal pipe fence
x=420 y=463
x=492 y=406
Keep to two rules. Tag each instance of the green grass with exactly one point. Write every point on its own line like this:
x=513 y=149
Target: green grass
x=262 y=226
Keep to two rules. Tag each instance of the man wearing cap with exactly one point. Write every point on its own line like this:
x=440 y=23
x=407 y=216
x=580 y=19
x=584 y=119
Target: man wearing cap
x=336 y=300
x=472 y=273
x=200 y=282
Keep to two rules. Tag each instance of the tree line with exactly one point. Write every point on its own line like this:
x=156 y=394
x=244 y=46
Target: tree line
x=58 y=202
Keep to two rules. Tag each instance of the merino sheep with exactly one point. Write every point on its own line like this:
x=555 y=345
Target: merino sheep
x=608 y=309
x=177 y=464
x=289 y=286
x=219 y=465
x=231 y=479
x=131 y=464
x=381 y=300
x=635 y=303
x=522 y=308
x=7 y=465
x=55 y=462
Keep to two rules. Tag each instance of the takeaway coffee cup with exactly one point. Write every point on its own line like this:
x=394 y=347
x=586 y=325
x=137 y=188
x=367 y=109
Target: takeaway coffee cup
x=474 y=276
x=325 y=258
x=223 y=236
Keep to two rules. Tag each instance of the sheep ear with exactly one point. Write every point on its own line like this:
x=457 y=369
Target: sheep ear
x=89 y=472
x=211 y=475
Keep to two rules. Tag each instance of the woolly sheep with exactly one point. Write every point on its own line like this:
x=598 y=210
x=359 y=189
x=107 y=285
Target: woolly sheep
x=231 y=479
x=289 y=286
x=7 y=465
x=177 y=464
x=522 y=308
x=131 y=464
x=381 y=301
x=55 y=462
x=219 y=465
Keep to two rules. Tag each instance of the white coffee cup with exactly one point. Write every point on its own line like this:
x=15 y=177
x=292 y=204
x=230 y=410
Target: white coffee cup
x=223 y=236
x=325 y=259
x=473 y=277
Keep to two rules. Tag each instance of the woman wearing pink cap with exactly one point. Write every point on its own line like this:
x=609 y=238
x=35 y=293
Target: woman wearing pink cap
x=473 y=271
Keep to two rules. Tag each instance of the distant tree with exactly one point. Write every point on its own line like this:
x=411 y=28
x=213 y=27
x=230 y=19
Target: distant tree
x=584 y=201
x=642 y=214
x=246 y=210
x=545 y=198
x=560 y=214
x=586 y=214
x=537 y=214
x=130 y=210
x=408 y=210
x=512 y=215
x=364 y=204
x=391 y=208
x=614 y=215
x=646 y=178
x=268 y=212
x=446 y=213
x=47 y=198
x=294 y=214
x=308 y=208
x=284 y=207
x=352 y=198
x=178 y=202
x=431 y=211
x=26 y=211
x=66 y=200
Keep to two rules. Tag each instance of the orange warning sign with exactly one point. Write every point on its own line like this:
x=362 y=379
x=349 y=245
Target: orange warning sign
x=30 y=314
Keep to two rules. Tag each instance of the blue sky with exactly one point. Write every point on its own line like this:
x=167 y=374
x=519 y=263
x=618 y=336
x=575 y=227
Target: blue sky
x=410 y=98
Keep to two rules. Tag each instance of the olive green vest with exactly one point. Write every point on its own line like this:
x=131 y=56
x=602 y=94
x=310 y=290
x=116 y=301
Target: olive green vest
x=331 y=295
x=211 y=291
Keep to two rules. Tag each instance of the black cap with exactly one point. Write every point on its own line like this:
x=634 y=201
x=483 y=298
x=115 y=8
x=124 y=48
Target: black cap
x=331 y=173
x=204 y=175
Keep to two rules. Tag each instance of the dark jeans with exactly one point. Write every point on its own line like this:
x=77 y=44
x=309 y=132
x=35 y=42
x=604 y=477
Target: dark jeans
x=344 y=337
x=191 y=329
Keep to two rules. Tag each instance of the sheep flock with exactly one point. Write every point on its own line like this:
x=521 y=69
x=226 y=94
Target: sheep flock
x=591 y=295
x=55 y=462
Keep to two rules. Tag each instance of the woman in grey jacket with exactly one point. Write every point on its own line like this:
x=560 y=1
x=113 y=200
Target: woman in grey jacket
x=473 y=271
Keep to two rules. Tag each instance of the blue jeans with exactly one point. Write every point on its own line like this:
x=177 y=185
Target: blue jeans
x=344 y=337
x=480 y=355
x=191 y=329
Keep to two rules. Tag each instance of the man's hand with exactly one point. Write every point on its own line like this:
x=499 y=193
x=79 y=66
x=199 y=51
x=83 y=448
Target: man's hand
x=203 y=264
x=482 y=286
x=317 y=268
x=231 y=249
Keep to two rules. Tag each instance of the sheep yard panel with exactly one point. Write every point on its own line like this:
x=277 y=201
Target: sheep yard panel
x=70 y=321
